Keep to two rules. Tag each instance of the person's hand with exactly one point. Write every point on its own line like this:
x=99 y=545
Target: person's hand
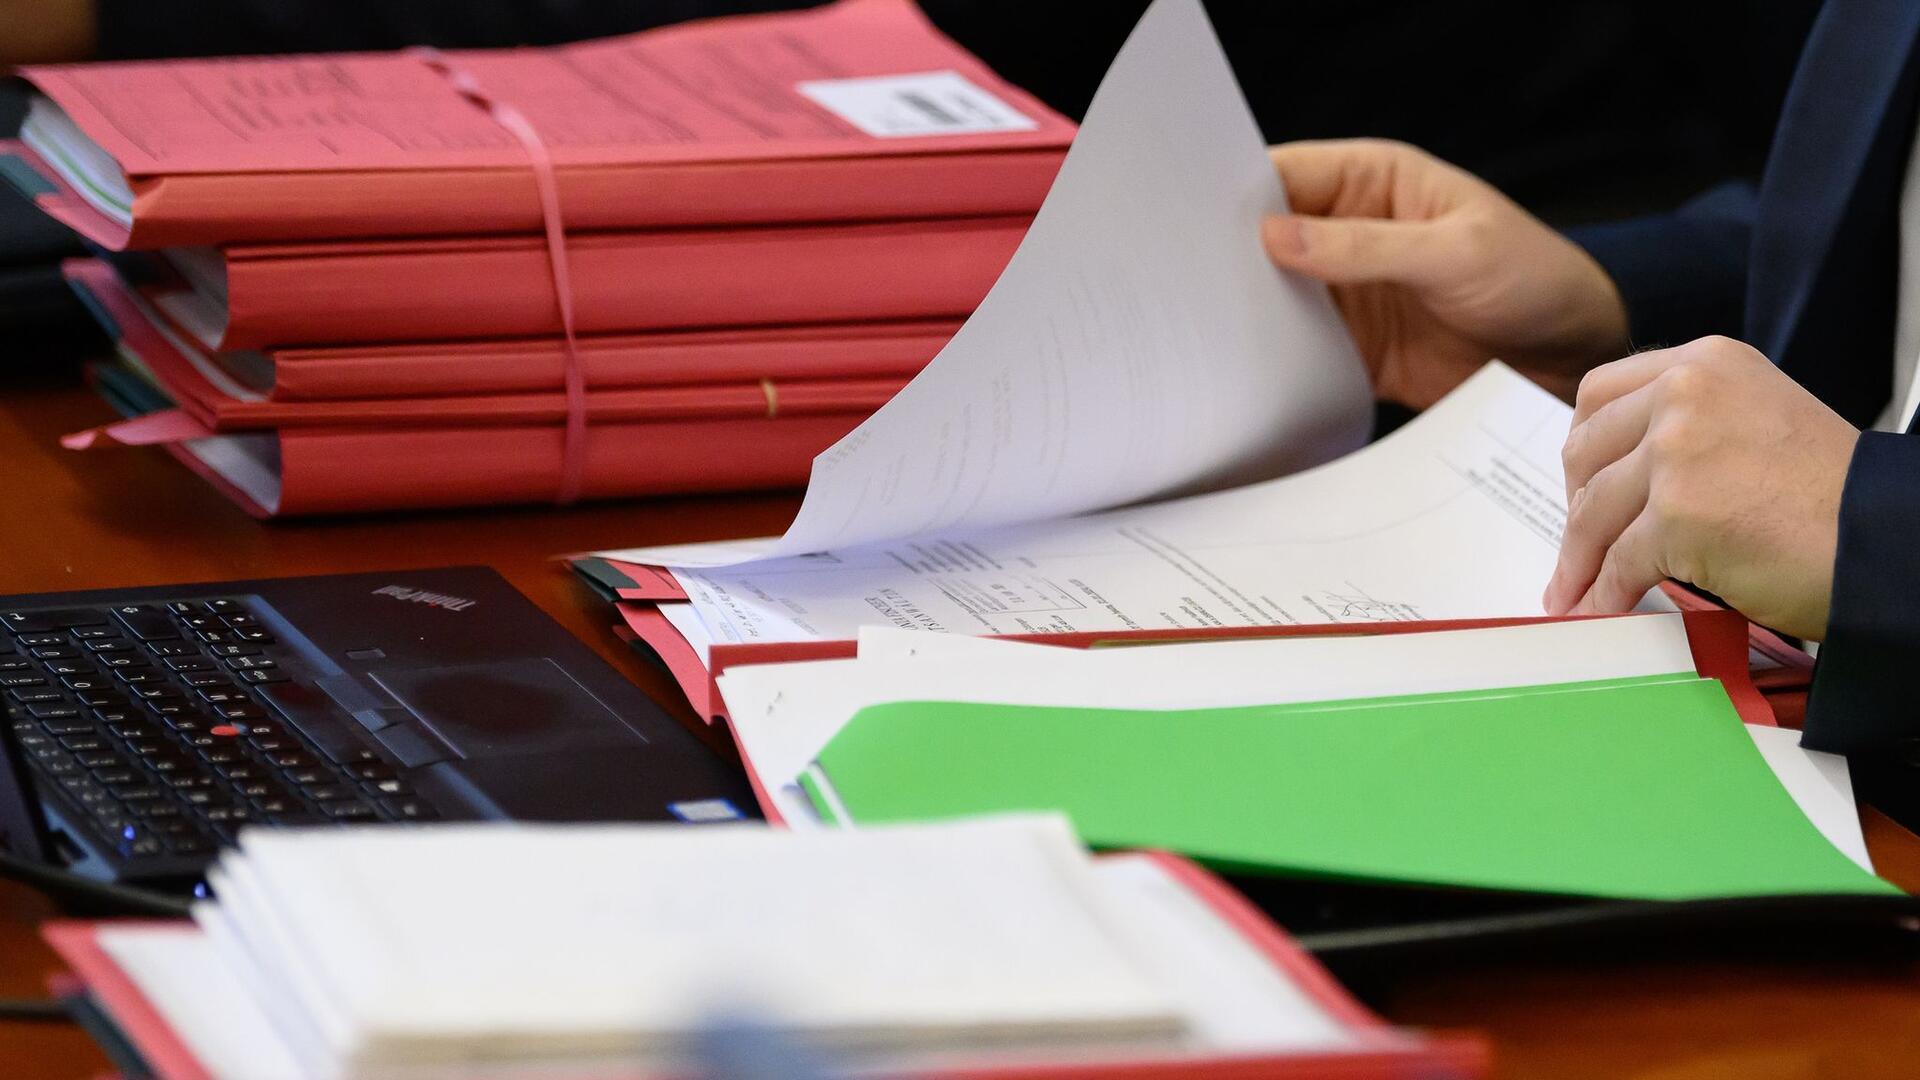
x=1437 y=272
x=1707 y=464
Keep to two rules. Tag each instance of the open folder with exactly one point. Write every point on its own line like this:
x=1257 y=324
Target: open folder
x=855 y=111
x=993 y=949
x=1642 y=788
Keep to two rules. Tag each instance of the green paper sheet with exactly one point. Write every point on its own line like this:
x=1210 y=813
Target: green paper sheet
x=1645 y=789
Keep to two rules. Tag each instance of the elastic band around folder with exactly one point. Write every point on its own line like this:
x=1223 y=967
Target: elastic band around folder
x=573 y=449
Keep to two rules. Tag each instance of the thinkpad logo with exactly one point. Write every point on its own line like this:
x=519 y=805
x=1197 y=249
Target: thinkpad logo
x=422 y=596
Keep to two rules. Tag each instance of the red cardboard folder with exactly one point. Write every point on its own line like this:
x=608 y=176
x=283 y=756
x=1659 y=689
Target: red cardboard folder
x=216 y=403
x=884 y=351
x=1718 y=638
x=703 y=123
x=502 y=287
x=360 y=469
x=671 y=358
x=1379 y=1051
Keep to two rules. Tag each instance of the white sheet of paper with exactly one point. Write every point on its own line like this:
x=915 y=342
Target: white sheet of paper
x=1232 y=998
x=1456 y=515
x=1138 y=344
x=1821 y=784
x=965 y=927
x=783 y=715
x=177 y=968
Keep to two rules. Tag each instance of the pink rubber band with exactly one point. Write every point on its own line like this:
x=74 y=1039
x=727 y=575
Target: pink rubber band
x=573 y=448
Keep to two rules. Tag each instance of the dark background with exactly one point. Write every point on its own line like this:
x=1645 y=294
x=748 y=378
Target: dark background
x=1583 y=110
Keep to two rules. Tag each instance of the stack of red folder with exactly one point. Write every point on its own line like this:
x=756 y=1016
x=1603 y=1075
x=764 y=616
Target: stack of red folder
x=339 y=291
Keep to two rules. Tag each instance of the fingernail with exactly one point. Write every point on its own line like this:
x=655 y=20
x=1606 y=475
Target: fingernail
x=1284 y=235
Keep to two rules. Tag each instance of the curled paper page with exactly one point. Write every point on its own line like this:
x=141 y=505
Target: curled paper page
x=1138 y=345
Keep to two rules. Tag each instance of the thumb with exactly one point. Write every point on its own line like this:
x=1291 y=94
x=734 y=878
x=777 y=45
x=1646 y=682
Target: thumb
x=1342 y=251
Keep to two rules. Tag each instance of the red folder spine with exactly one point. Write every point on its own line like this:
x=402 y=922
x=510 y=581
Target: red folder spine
x=434 y=291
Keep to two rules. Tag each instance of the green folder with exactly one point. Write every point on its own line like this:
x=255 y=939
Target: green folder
x=1646 y=789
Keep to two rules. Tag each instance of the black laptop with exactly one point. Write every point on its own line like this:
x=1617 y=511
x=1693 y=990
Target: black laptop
x=148 y=726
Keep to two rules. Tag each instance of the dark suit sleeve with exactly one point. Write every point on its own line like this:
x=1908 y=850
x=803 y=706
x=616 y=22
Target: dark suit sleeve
x=1682 y=274
x=1864 y=684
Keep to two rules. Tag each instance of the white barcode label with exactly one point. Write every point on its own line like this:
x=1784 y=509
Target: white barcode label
x=904 y=106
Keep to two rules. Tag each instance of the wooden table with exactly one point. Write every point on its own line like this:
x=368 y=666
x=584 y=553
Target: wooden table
x=134 y=517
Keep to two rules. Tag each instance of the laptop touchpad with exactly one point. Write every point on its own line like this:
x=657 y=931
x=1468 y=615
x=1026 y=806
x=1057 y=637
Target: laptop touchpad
x=506 y=707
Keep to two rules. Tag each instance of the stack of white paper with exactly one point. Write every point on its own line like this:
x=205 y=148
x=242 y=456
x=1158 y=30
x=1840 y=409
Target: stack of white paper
x=491 y=950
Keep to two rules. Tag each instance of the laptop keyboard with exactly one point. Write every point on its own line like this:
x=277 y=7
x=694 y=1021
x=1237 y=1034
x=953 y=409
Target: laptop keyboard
x=159 y=729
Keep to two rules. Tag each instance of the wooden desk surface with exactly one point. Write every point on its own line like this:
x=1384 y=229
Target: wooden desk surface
x=134 y=517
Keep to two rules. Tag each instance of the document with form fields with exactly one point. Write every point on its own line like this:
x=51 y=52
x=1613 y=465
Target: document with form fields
x=1147 y=426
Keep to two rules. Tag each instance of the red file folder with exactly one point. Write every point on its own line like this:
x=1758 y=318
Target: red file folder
x=502 y=287
x=359 y=468
x=671 y=358
x=703 y=123
x=1379 y=1051
x=1717 y=636
x=217 y=404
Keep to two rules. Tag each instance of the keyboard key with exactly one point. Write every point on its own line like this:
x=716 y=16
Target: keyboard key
x=243 y=710
x=222 y=697
x=189 y=663
x=140 y=678
x=215 y=637
x=241 y=619
x=102 y=699
x=189 y=845
x=290 y=759
x=81 y=744
x=125 y=662
x=223 y=753
x=30 y=641
x=225 y=607
x=248 y=663
x=116 y=774
x=28 y=695
x=54 y=652
x=108 y=645
x=146 y=623
x=166 y=707
x=201 y=622
x=153 y=809
x=132 y=729
x=253 y=634
x=182 y=607
x=147 y=747
x=205 y=680
x=22 y=680
x=331 y=792
x=235 y=650
x=61 y=669
x=134 y=849
x=97 y=759
x=69 y=726
x=234 y=814
x=311 y=777
x=408 y=810
x=159 y=692
x=95 y=633
x=54 y=712
x=85 y=682
x=24 y=622
x=14 y=663
x=349 y=811
x=135 y=792
x=259 y=676
x=169 y=648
